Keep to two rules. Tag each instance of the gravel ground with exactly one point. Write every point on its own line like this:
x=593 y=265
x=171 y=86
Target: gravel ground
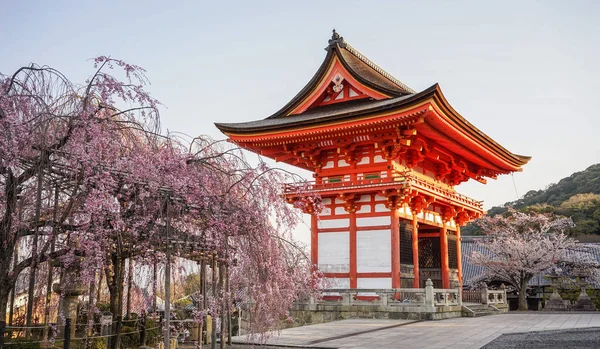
x=583 y=338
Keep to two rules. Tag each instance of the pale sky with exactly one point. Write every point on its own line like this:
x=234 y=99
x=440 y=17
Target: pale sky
x=524 y=72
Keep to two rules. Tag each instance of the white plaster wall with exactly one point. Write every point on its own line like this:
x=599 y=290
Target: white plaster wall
x=374 y=283
x=365 y=160
x=340 y=210
x=343 y=163
x=364 y=209
x=381 y=208
x=334 y=223
x=327 y=201
x=334 y=252
x=326 y=211
x=379 y=158
x=364 y=198
x=338 y=283
x=372 y=221
x=329 y=164
x=373 y=251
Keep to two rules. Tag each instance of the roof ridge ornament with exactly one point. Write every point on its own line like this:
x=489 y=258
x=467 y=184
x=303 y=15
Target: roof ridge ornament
x=336 y=39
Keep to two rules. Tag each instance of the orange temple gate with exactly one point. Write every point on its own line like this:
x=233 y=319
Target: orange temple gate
x=385 y=160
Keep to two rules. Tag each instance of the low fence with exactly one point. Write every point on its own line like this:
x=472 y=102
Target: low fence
x=54 y=335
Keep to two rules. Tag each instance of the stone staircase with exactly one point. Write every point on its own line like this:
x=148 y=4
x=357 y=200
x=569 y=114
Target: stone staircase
x=477 y=310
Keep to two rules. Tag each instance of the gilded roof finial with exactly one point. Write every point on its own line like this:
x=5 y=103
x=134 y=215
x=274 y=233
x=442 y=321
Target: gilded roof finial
x=336 y=39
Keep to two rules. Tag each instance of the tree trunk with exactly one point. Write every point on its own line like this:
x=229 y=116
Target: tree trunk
x=4 y=291
x=523 y=295
x=129 y=282
x=114 y=284
x=99 y=288
x=5 y=267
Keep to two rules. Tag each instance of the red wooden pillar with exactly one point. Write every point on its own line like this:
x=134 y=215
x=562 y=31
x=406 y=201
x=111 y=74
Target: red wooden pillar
x=415 y=250
x=353 y=280
x=459 y=255
x=395 y=240
x=445 y=261
x=314 y=240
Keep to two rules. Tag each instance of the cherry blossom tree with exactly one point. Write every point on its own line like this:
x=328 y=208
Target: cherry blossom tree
x=522 y=245
x=88 y=183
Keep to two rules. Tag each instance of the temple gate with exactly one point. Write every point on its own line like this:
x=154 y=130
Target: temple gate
x=385 y=160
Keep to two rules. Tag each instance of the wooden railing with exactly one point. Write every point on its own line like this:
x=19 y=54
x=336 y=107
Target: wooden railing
x=297 y=189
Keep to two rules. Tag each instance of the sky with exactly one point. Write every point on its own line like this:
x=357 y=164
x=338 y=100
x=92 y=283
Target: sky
x=524 y=72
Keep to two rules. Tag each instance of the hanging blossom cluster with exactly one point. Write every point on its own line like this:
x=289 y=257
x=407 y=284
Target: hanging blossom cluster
x=88 y=182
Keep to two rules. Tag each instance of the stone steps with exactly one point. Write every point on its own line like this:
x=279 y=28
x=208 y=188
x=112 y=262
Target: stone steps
x=478 y=310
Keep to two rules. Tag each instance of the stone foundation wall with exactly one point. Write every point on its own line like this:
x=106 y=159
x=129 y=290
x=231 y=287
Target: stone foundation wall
x=304 y=314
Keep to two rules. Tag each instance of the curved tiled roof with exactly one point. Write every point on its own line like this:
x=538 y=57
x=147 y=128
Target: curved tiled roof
x=445 y=122
x=361 y=68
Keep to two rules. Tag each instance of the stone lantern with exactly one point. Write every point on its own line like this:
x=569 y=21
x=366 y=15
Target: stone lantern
x=555 y=303
x=584 y=302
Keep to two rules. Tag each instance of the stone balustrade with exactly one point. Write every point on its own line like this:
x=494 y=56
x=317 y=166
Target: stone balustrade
x=485 y=296
x=391 y=297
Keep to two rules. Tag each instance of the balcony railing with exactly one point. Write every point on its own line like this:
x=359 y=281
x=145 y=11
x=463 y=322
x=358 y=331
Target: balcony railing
x=405 y=179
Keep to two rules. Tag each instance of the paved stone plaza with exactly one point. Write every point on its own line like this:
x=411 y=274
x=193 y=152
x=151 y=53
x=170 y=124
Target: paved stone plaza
x=451 y=333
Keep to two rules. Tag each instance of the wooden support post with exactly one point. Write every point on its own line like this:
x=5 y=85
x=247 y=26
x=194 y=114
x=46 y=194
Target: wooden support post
x=167 y=335
x=154 y=283
x=223 y=307
x=51 y=269
x=228 y=289
x=459 y=256
x=143 y=332
x=67 y=341
x=415 y=250
x=395 y=241
x=353 y=265
x=204 y=300
x=445 y=270
x=213 y=332
x=314 y=240
x=34 y=256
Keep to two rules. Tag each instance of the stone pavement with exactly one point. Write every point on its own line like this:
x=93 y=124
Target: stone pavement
x=407 y=334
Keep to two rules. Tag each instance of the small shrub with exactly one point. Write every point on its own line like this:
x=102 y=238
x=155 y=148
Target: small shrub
x=129 y=337
x=153 y=334
x=22 y=343
x=94 y=343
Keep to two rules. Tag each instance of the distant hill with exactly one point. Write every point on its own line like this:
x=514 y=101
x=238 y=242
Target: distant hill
x=576 y=196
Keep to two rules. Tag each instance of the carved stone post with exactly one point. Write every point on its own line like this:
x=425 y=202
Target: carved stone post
x=429 y=295
x=484 y=294
x=71 y=288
